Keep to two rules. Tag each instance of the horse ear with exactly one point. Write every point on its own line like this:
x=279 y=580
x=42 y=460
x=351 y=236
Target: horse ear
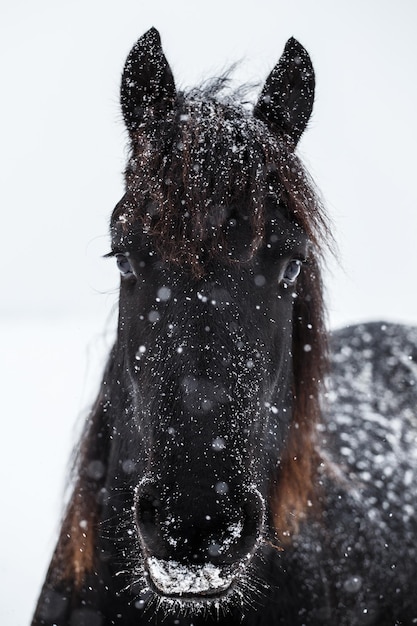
x=147 y=80
x=286 y=101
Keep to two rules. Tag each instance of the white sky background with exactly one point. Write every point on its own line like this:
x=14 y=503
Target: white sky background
x=62 y=151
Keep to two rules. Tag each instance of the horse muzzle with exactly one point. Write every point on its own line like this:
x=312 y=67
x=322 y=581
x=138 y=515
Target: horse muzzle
x=197 y=548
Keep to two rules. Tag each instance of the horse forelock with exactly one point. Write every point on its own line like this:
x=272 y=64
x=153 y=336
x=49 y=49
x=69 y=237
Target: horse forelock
x=203 y=162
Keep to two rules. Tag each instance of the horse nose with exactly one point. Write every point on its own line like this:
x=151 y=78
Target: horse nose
x=191 y=528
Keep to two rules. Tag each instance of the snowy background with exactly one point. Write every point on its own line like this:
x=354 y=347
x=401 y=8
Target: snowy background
x=62 y=151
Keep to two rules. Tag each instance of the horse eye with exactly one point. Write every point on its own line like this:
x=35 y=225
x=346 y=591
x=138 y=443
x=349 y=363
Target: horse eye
x=124 y=265
x=292 y=271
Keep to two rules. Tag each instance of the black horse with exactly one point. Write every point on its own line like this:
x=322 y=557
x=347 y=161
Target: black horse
x=219 y=479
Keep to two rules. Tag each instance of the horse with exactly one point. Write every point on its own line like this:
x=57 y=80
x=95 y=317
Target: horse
x=240 y=465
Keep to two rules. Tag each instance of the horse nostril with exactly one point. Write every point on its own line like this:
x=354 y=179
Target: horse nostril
x=148 y=512
x=241 y=531
x=253 y=516
x=148 y=508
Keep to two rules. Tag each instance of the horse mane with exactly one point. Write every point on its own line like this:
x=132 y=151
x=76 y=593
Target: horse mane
x=297 y=487
x=74 y=553
x=187 y=168
x=191 y=164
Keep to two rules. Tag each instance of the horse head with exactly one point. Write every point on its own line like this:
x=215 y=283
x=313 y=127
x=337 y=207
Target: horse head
x=216 y=242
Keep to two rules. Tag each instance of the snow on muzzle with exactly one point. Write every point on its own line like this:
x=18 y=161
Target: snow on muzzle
x=171 y=578
x=197 y=546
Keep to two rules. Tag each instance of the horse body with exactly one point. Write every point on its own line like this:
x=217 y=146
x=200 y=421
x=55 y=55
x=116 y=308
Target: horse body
x=216 y=482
